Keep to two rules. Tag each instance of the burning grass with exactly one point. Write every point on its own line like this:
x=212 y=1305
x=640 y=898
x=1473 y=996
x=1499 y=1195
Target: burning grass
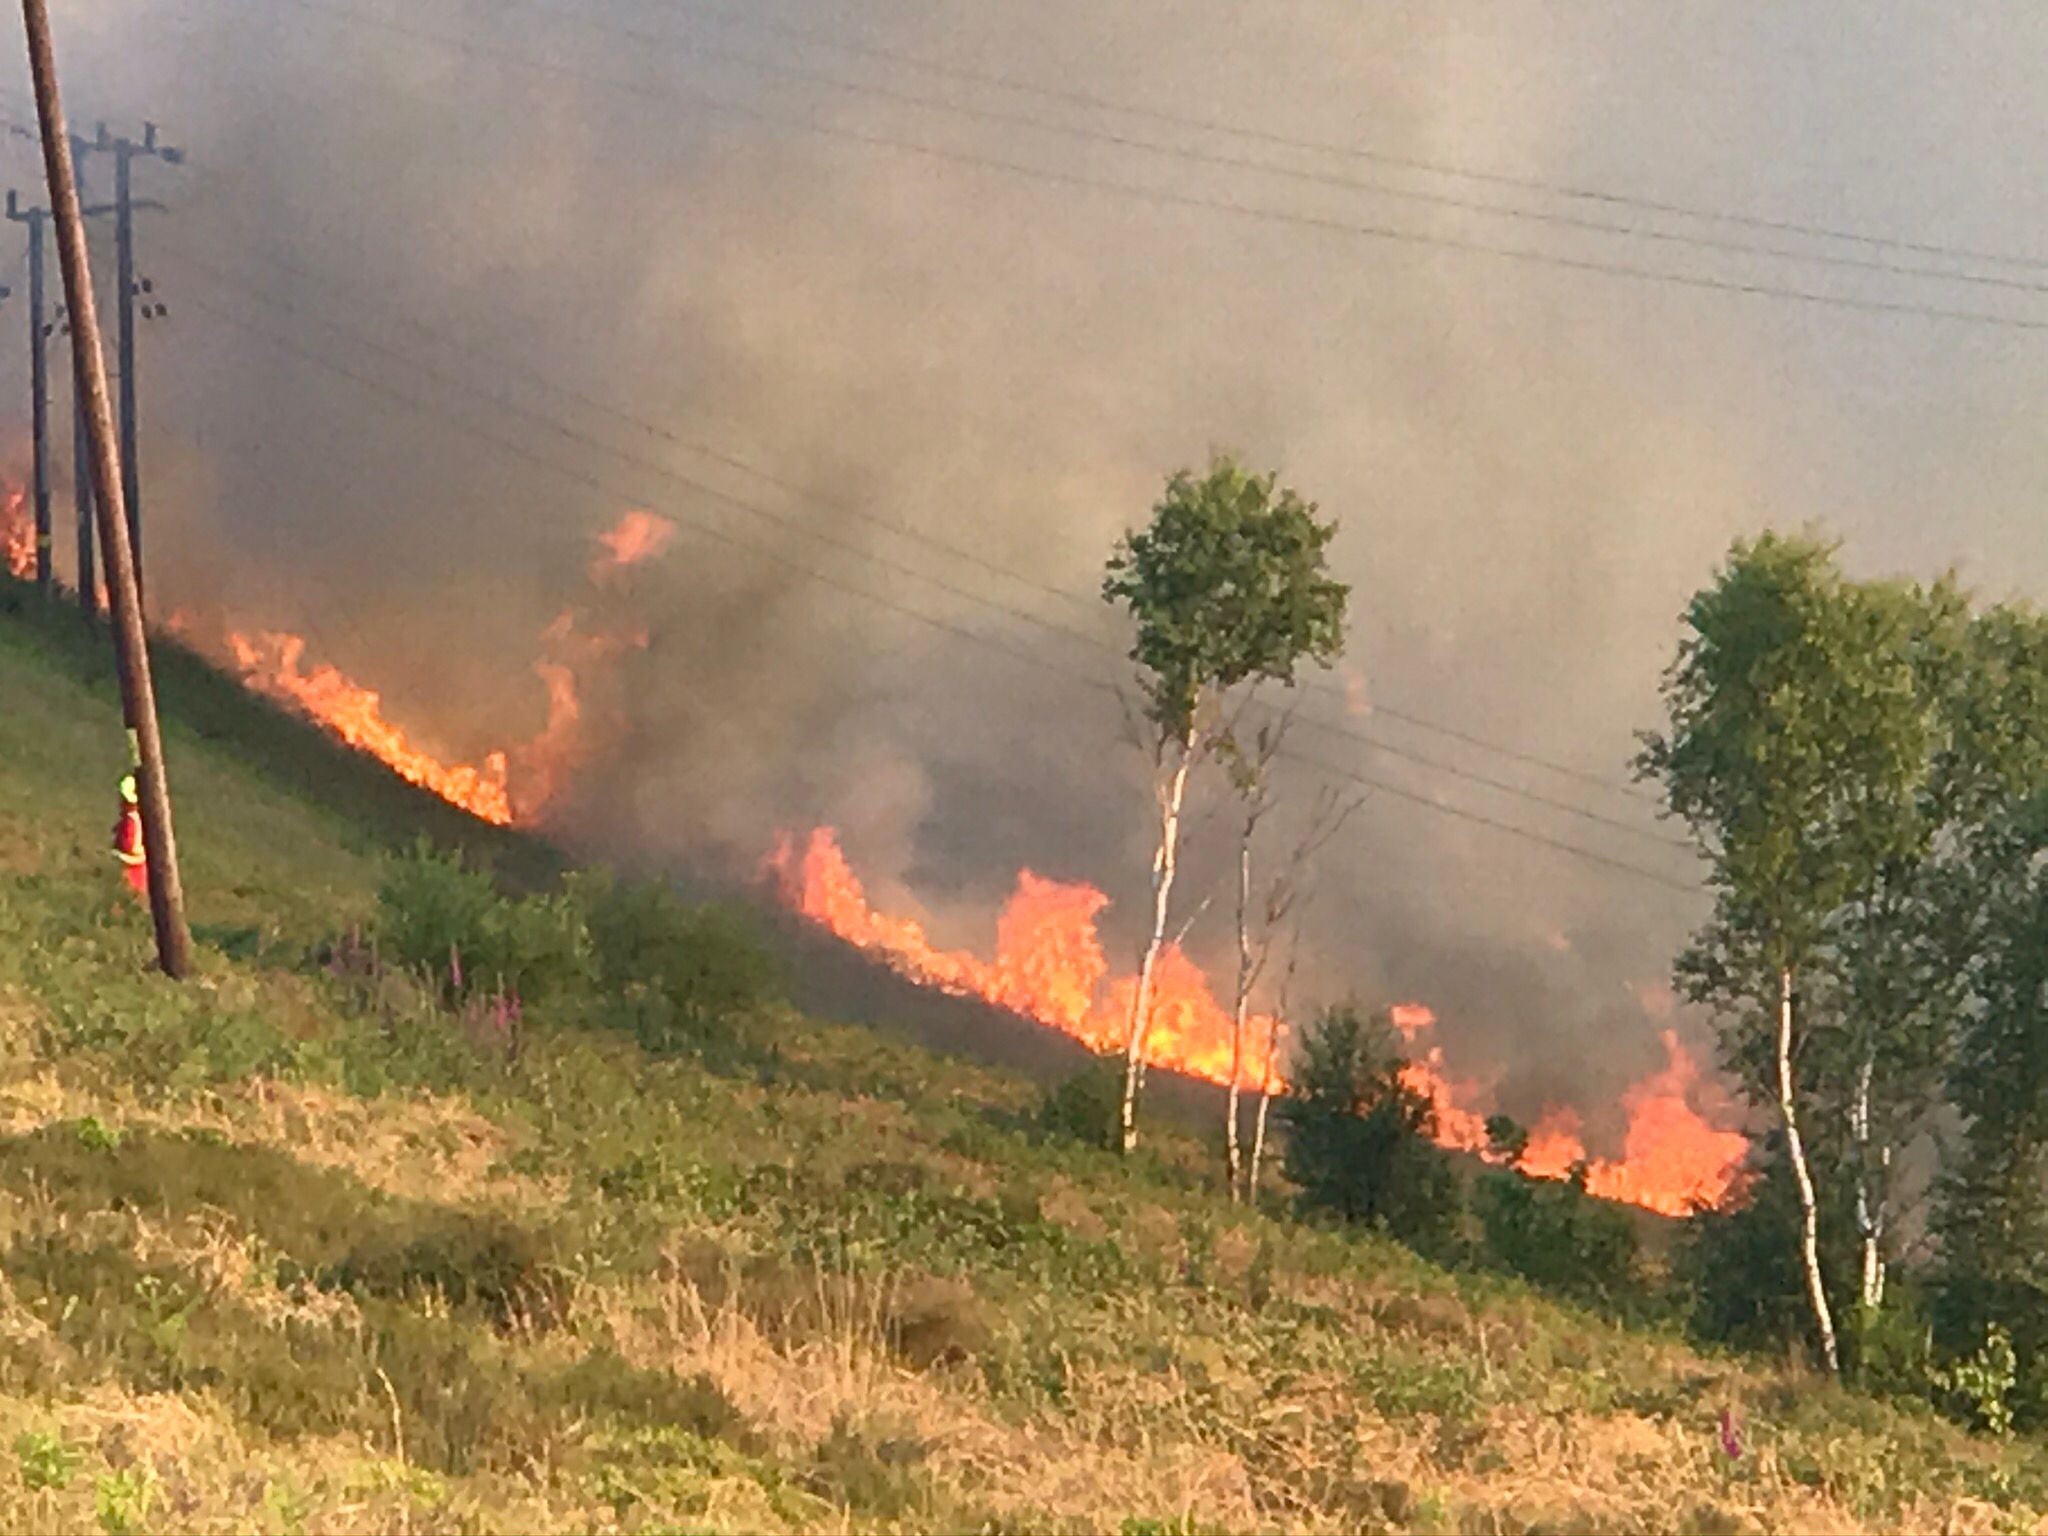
x=287 y=1249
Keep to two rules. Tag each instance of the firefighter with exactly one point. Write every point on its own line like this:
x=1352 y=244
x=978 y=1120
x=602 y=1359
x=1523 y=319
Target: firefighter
x=128 y=838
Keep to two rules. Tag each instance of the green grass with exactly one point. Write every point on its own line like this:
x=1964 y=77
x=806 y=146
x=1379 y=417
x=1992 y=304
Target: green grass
x=288 y=1250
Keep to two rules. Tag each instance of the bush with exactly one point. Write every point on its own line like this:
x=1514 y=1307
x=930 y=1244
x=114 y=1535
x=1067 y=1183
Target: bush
x=678 y=970
x=1360 y=1137
x=1888 y=1351
x=1086 y=1106
x=450 y=921
x=1977 y=1317
x=1739 y=1265
x=1553 y=1234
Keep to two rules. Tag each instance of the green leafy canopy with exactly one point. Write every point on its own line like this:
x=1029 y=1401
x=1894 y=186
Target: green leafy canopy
x=1227 y=584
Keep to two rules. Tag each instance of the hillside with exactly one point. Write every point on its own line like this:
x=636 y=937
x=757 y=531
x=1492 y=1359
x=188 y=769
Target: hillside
x=292 y=1252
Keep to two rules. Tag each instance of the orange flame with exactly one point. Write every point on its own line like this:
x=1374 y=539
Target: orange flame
x=515 y=785
x=637 y=537
x=1673 y=1158
x=271 y=664
x=1457 y=1125
x=17 y=535
x=1048 y=966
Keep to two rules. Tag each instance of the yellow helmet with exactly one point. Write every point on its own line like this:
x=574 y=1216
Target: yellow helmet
x=128 y=788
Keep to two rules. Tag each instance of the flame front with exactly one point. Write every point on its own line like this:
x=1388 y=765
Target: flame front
x=1673 y=1158
x=272 y=664
x=1049 y=963
x=510 y=785
x=1049 y=966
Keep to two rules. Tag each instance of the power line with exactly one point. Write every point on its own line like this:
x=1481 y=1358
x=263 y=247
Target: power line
x=416 y=403
x=1192 y=155
x=1392 y=713
x=840 y=504
x=553 y=425
x=697 y=99
x=747 y=21
x=956 y=552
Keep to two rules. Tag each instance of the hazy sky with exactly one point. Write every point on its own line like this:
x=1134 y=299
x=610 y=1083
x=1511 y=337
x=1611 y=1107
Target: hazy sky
x=1533 y=465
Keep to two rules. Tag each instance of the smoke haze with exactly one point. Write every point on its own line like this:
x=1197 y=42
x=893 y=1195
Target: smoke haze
x=1533 y=467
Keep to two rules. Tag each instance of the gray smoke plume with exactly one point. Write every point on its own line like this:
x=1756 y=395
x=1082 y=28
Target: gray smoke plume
x=391 y=256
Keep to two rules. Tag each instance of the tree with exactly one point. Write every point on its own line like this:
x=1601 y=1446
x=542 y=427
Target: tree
x=1227 y=585
x=1895 y=989
x=1276 y=1029
x=1263 y=915
x=1992 y=1216
x=1360 y=1138
x=1785 y=721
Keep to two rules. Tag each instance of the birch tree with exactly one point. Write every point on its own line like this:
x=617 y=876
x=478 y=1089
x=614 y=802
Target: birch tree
x=1227 y=586
x=1265 y=910
x=1780 y=720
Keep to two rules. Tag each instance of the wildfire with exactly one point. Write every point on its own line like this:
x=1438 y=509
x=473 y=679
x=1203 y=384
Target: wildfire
x=272 y=664
x=1673 y=1157
x=1049 y=966
x=17 y=535
x=510 y=785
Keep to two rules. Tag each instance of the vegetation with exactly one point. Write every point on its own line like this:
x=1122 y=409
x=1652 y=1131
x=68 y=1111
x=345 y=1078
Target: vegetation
x=1864 y=765
x=1360 y=1142
x=329 y=1239
x=1227 y=587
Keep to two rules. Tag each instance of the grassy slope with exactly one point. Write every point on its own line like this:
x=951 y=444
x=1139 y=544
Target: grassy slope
x=277 y=1258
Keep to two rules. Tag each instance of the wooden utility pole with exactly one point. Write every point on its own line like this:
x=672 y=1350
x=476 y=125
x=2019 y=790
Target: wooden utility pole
x=42 y=326
x=131 y=644
x=39 y=380
x=125 y=151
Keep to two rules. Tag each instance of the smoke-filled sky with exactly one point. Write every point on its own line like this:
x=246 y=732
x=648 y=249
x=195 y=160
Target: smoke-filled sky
x=454 y=284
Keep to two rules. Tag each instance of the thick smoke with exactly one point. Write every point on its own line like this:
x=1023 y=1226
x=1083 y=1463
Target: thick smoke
x=1533 y=467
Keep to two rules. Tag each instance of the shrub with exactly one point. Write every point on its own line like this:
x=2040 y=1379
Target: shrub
x=1084 y=1107
x=46 y=1461
x=450 y=921
x=1553 y=1234
x=1360 y=1137
x=431 y=906
x=1888 y=1351
x=677 y=970
x=1984 y=1381
x=1968 y=1310
x=484 y=1260
x=1739 y=1265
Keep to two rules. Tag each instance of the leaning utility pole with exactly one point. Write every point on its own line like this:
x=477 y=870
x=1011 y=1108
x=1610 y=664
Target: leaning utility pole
x=131 y=644
x=39 y=380
x=125 y=151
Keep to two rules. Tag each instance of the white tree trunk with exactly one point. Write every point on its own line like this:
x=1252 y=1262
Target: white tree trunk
x=1809 y=1212
x=1251 y=1177
x=1870 y=1196
x=1232 y=1159
x=1164 y=867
